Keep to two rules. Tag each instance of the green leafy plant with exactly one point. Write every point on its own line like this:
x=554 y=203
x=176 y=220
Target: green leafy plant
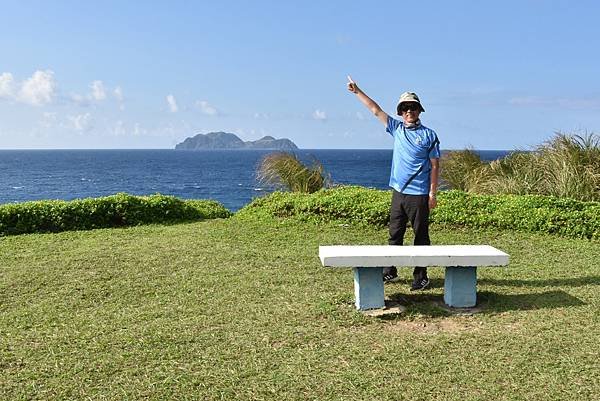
x=534 y=213
x=363 y=206
x=351 y=204
x=111 y=211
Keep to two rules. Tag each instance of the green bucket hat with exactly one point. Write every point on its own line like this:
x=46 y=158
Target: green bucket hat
x=408 y=97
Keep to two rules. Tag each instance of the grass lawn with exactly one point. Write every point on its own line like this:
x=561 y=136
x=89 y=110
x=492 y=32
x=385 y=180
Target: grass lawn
x=230 y=309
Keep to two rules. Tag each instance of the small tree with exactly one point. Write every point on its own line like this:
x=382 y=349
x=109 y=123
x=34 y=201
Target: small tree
x=285 y=170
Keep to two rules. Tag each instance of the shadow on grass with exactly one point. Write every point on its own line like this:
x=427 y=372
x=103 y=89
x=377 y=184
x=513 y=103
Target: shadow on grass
x=493 y=302
x=432 y=305
x=555 y=282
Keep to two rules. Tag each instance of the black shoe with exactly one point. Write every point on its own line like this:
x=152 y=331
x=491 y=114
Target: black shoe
x=420 y=284
x=390 y=277
x=390 y=274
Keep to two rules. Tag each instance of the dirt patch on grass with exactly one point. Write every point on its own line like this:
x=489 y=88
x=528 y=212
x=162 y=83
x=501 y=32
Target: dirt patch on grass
x=448 y=325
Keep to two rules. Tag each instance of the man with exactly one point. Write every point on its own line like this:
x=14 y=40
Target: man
x=414 y=175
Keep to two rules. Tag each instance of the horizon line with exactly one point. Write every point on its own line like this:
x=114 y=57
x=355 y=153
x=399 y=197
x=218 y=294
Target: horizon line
x=251 y=150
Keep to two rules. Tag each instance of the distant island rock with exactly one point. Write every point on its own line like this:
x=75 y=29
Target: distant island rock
x=226 y=140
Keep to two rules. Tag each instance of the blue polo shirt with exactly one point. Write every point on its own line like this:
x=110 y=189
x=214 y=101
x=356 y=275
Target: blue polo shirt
x=413 y=147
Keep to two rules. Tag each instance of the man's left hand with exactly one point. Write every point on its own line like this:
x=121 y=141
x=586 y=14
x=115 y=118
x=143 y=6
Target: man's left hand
x=432 y=202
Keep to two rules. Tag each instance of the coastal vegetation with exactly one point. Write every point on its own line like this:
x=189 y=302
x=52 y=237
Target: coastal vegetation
x=111 y=211
x=344 y=204
x=566 y=166
x=370 y=207
x=285 y=170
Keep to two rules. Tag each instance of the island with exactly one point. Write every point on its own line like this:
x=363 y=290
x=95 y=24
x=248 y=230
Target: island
x=226 y=140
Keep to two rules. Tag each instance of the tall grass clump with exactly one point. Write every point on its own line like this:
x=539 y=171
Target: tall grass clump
x=518 y=173
x=566 y=166
x=572 y=166
x=458 y=165
x=285 y=170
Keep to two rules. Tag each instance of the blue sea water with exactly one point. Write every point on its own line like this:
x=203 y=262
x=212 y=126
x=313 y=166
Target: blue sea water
x=228 y=176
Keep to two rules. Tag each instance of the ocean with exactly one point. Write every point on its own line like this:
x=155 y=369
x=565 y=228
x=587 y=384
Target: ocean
x=228 y=176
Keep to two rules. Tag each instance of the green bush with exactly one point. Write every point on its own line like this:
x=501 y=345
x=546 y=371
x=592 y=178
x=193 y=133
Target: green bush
x=345 y=203
x=111 y=211
x=358 y=205
x=534 y=213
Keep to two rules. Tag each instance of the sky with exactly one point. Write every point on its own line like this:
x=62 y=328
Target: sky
x=148 y=74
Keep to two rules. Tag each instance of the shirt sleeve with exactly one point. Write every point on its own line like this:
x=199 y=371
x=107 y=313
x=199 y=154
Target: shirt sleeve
x=392 y=125
x=434 y=153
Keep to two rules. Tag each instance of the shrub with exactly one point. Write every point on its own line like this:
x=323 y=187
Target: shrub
x=533 y=213
x=112 y=211
x=358 y=205
x=345 y=203
x=285 y=170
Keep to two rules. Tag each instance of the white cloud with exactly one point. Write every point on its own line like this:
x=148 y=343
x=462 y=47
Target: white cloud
x=122 y=129
x=566 y=103
x=261 y=116
x=98 y=91
x=206 y=108
x=39 y=89
x=138 y=130
x=48 y=119
x=360 y=116
x=81 y=122
x=172 y=104
x=118 y=92
x=80 y=100
x=529 y=101
x=319 y=115
x=6 y=85
x=119 y=129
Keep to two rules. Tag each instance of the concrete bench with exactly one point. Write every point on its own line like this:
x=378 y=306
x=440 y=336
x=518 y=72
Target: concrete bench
x=368 y=261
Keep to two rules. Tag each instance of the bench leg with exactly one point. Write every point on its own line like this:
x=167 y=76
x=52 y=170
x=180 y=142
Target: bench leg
x=460 y=286
x=368 y=288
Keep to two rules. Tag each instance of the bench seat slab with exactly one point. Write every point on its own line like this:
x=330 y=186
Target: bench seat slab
x=460 y=286
x=409 y=255
x=368 y=288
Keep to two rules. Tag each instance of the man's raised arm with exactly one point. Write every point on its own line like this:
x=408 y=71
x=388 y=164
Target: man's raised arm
x=367 y=101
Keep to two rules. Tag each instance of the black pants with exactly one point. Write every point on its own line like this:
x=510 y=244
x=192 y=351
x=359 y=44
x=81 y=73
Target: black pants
x=413 y=209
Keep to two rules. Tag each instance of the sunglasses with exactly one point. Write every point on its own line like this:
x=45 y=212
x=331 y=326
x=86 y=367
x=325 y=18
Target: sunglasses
x=410 y=106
